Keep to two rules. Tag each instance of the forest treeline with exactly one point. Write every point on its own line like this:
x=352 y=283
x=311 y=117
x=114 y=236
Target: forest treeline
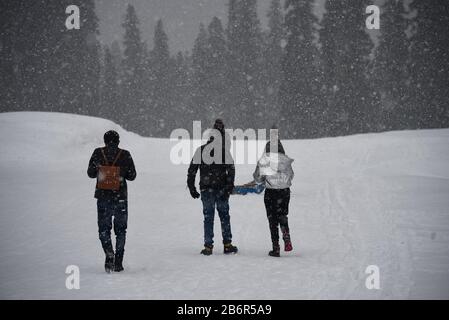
x=311 y=77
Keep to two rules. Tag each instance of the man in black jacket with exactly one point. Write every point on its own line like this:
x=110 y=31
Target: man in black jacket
x=112 y=203
x=216 y=184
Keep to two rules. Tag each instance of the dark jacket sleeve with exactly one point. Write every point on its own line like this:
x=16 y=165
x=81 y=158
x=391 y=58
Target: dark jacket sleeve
x=230 y=176
x=193 y=169
x=94 y=162
x=230 y=169
x=128 y=171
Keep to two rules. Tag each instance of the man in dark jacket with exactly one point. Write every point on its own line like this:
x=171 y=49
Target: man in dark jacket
x=216 y=184
x=112 y=203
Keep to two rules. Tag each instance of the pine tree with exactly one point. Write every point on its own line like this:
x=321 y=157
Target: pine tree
x=215 y=69
x=346 y=47
x=10 y=37
x=190 y=112
x=28 y=39
x=54 y=69
x=133 y=77
x=90 y=58
x=117 y=56
x=430 y=63
x=110 y=98
x=182 y=114
x=73 y=68
x=199 y=98
x=232 y=32
x=117 y=59
x=273 y=60
x=245 y=63
x=391 y=68
x=300 y=90
x=161 y=88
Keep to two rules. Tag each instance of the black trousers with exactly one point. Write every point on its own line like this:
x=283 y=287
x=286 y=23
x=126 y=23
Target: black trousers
x=276 y=204
x=112 y=212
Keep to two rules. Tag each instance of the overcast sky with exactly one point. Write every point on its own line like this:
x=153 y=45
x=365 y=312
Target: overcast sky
x=181 y=18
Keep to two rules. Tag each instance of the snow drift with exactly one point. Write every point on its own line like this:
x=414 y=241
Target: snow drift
x=374 y=199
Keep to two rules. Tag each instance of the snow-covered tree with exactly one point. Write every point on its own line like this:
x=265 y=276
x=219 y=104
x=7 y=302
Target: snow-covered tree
x=11 y=39
x=301 y=83
x=199 y=99
x=182 y=113
x=430 y=63
x=391 y=72
x=133 y=103
x=110 y=97
x=216 y=65
x=273 y=55
x=160 y=86
x=245 y=62
x=44 y=65
x=346 y=47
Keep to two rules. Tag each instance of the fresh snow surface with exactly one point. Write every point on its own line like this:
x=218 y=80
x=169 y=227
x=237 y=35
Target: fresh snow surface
x=373 y=199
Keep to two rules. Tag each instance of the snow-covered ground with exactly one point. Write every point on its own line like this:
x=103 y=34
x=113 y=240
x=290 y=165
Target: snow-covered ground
x=374 y=199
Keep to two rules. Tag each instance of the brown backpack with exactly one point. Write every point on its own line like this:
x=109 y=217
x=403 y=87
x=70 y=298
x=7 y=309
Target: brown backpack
x=109 y=175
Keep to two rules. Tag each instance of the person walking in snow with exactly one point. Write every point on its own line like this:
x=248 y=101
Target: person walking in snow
x=111 y=167
x=217 y=173
x=274 y=169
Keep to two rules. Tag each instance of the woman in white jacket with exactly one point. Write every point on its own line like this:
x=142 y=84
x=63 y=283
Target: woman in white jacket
x=275 y=170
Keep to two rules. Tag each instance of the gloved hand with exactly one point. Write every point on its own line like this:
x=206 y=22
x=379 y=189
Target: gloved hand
x=194 y=193
x=228 y=190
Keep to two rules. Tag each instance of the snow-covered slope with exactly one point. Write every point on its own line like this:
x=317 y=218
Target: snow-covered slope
x=375 y=199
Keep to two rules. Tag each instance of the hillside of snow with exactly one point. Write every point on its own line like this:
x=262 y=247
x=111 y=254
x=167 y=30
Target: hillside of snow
x=373 y=199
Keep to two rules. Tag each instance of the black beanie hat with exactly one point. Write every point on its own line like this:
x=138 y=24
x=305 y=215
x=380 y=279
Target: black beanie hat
x=111 y=137
x=219 y=125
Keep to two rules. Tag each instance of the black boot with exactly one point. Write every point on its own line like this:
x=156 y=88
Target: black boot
x=118 y=263
x=109 y=263
x=207 y=251
x=276 y=251
x=229 y=248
